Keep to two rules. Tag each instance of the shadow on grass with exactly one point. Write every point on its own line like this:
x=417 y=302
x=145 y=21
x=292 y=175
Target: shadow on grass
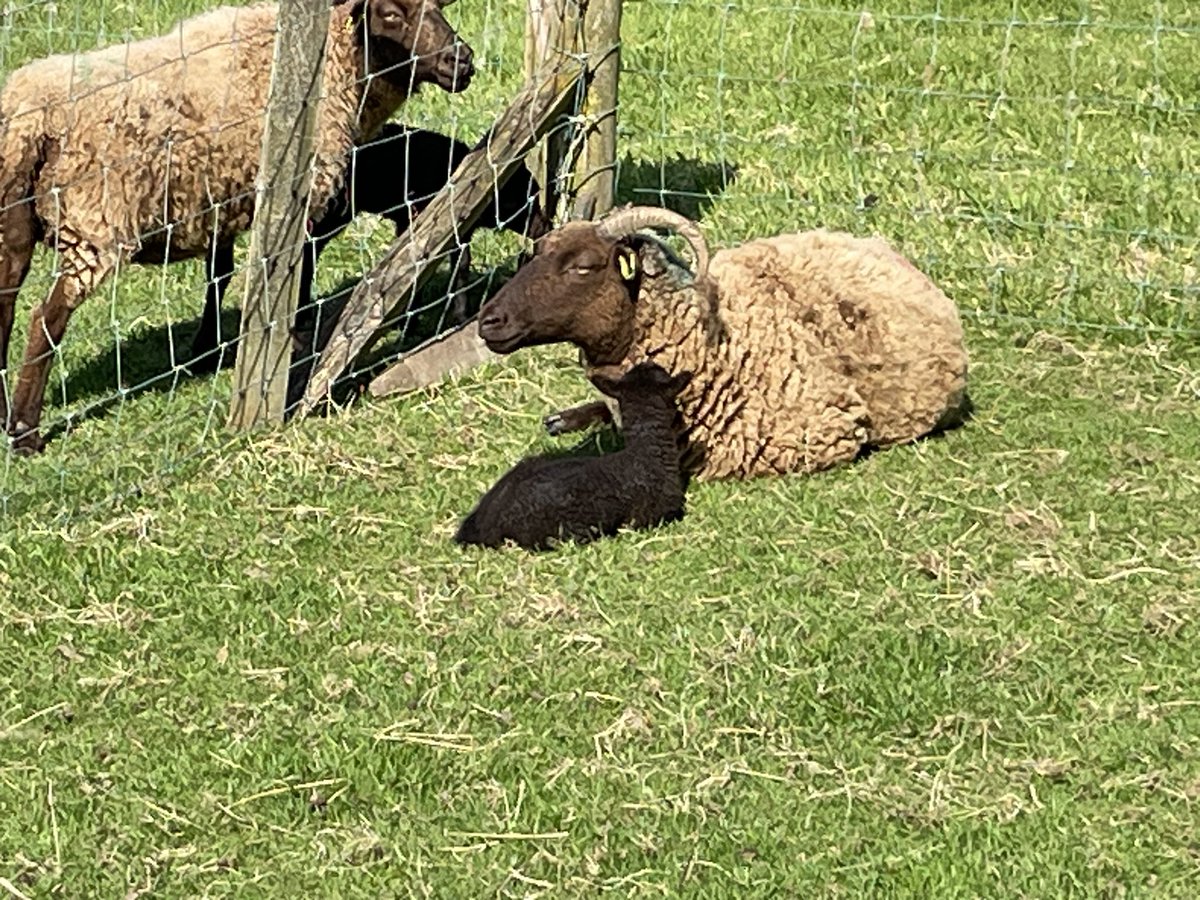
x=146 y=364
x=422 y=320
x=686 y=186
x=951 y=422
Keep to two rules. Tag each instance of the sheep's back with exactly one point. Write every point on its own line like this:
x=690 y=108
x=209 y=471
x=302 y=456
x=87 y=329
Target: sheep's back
x=176 y=121
x=174 y=118
x=835 y=343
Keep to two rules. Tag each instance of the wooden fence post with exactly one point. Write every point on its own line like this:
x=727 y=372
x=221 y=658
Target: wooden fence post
x=270 y=281
x=551 y=36
x=561 y=28
x=595 y=174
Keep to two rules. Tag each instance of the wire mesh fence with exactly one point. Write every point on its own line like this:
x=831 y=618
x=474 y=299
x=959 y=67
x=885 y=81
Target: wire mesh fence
x=1038 y=159
x=133 y=371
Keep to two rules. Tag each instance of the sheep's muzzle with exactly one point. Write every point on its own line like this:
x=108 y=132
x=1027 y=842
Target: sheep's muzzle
x=507 y=321
x=454 y=69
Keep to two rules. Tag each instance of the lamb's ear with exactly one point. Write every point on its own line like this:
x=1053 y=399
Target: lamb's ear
x=679 y=382
x=606 y=386
x=608 y=379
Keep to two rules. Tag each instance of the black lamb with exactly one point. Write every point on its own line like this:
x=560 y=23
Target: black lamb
x=396 y=175
x=399 y=172
x=542 y=501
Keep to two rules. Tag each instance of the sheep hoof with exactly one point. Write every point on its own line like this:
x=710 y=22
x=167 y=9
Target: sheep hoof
x=556 y=425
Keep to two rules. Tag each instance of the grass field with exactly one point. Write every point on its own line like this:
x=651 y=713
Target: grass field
x=966 y=668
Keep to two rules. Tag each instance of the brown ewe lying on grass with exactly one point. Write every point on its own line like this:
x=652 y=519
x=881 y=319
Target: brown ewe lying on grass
x=805 y=349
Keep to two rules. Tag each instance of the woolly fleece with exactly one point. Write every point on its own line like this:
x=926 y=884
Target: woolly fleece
x=820 y=345
x=139 y=136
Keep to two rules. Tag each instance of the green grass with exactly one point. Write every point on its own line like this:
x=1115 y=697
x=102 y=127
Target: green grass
x=259 y=667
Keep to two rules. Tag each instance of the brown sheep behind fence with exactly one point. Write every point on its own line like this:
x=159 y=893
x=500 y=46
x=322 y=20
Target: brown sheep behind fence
x=148 y=152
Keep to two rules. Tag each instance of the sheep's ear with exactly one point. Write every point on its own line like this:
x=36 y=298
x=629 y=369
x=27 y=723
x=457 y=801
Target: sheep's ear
x=604 y=385
x=607 y=379
x=627 y=262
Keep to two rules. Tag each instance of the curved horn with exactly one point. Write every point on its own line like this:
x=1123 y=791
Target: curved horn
x=624 y=222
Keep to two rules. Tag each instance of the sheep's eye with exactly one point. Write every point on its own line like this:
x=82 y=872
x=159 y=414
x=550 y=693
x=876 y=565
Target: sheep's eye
x=584 y=265
x=390 y=18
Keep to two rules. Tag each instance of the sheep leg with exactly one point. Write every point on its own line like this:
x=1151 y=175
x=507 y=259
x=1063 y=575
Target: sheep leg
x=578 y=418
x=219 y=266
x=16 y=253
x=47 y=325
x=307 y=309
x=309 y=254
x=218 y=269
x=320 y=233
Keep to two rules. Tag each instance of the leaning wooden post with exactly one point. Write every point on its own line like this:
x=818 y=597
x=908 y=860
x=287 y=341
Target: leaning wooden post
x=595 y=174
x=551 y=35
x=271 y=280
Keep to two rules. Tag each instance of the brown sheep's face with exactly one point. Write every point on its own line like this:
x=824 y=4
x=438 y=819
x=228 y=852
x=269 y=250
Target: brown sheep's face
x=410 y=43
x=578 y=288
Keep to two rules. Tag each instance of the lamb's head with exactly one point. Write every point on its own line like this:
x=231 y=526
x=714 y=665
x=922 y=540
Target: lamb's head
x=409 y=42
x=642 y=381
x=581 y=285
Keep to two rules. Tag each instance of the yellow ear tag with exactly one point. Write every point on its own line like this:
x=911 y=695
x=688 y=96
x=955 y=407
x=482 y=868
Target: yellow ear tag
x=349 y=26
x=627 y=263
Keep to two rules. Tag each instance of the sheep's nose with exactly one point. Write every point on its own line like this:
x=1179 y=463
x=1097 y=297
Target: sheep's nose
x=490 y=319
x=464 y=57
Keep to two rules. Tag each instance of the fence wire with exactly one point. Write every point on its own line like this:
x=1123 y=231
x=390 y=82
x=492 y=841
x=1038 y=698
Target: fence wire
x=127 y=384
x=1038 y=159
